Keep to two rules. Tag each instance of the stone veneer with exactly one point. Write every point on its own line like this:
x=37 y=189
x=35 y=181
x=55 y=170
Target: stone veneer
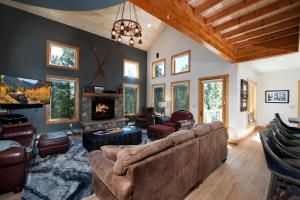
x=89 y=125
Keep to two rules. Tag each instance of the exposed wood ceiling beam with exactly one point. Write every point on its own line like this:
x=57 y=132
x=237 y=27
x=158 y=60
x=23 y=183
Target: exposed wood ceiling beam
x=265 y=31
x=272 y=36
x=295 y=12
x=206 y=5
x=173 y=13
x=272 y=44
x=257 y=13
x=268 y=53
x=231 y=9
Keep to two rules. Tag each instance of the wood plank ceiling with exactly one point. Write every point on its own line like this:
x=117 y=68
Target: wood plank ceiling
x=237 y=30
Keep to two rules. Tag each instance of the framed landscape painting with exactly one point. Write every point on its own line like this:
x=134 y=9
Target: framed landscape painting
x=62 y=56
x=158 y=68
x=181 y=63
x=277 y=96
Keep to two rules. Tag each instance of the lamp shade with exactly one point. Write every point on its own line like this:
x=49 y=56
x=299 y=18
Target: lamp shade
x=163 y=104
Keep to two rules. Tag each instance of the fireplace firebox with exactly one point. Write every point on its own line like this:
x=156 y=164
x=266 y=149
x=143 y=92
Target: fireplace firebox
x=103 y=109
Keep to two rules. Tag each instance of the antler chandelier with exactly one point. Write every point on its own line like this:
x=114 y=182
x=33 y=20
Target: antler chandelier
x=124 y=27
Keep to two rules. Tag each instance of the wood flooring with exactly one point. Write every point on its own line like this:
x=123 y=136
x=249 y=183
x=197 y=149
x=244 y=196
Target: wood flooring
x=244 y=176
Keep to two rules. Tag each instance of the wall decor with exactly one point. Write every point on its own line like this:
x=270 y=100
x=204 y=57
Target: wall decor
x=62 y=56
x=159 y=68
x=277 y=96
x=181 y=63
x=244 y=95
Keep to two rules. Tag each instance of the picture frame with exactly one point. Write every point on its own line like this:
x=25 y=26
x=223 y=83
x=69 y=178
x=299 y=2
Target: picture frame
x=244 y=96
x=159 y=68
x=62 y=56
x=277 y=96
x=181 y=63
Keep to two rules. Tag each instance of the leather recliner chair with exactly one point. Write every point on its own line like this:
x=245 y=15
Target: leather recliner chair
x=16 y=148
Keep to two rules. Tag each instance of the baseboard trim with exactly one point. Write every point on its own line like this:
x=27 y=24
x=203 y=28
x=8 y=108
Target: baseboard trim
x=245 y=136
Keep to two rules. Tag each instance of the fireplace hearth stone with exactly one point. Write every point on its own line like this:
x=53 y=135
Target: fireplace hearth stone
x=89 y=125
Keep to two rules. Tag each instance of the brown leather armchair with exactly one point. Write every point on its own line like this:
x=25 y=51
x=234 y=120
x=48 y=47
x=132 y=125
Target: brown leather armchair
x=17 y=145
x=146 y=118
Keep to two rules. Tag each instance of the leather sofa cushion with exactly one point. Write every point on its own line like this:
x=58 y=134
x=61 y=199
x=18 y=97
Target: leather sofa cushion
x=173 y=124
x=181 y=115
x=182 y=136
x=128 y=156
x=216 y=125
x=201 y=130
x=6 y=144
x=111 y=151
x=53 y=139
x=17 y=132
x=161 y=129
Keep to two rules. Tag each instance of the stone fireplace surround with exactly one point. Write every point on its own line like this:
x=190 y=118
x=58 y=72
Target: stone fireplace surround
x=91 y=125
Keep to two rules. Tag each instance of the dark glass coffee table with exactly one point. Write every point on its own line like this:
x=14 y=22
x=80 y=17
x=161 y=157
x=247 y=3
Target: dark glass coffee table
x=129 y=136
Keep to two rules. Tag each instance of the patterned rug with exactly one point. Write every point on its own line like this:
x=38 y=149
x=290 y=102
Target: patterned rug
x=60 y=176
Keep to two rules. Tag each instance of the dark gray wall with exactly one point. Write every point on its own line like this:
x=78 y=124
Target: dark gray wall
x=23 y=53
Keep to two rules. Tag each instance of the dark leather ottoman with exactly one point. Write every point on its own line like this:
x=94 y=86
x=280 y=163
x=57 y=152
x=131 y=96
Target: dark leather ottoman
x=55 y=142
x=159 y=131
x=129 y=136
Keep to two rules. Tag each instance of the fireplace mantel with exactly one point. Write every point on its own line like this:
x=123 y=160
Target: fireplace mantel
x=110 y=95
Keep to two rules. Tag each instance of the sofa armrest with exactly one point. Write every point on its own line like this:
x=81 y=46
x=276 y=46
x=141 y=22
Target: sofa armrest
x=120 y=186
x=185 y=124
x=12 y=156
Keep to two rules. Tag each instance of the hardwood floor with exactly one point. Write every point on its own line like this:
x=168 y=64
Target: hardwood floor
x=243 y=176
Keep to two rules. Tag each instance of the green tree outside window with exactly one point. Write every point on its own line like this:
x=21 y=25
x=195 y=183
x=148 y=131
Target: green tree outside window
x=130 y=99
x=181 y=97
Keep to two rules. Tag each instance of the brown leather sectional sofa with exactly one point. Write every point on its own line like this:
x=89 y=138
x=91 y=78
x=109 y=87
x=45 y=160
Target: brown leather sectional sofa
x=166 y=169
x=14 y=158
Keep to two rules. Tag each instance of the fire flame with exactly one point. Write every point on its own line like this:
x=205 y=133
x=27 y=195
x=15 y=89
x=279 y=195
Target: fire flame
x=102 y=108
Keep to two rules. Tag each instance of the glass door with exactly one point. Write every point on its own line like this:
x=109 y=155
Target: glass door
x=212 y=99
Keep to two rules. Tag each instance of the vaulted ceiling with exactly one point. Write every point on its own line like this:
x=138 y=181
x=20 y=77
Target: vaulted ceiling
x=237 y=30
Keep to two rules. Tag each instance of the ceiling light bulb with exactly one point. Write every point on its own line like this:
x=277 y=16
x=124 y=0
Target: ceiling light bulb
x=119 y=39
x=136 y=30
x=149 y=25
x=122 y=26
x=131 y=42
x=113 y=31
x=280 y=59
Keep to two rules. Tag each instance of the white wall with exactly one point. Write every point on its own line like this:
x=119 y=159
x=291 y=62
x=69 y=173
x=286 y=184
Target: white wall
x=203 y=63
x=281 y=80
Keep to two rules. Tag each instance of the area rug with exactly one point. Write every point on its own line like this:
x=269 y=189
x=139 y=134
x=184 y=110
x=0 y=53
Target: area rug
x=60 y=176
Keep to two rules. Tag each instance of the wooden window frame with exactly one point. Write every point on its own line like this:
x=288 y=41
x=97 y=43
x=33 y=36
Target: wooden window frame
x=225 y=111
x=137 y=100
x=189 y=92
x=163 y=85
x=138 y=68
x=299 y=101
x=173 y=62
x=248 y=102
x=153 y=69
x=48 y=51
x=62 y=121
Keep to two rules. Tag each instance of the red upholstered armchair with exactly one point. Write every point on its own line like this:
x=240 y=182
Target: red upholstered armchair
x=179 y=120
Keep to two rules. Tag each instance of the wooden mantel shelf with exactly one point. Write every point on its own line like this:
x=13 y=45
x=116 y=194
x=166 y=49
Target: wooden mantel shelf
x=111 y=95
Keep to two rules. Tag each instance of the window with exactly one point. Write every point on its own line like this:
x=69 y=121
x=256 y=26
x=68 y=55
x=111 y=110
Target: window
x=251 y=103
x=62 y=56
x=180 y=95
x=63 y=106
x=158 y=95
x=131 y=69
x=131 y=99
x=181 y=63
x=159 y=68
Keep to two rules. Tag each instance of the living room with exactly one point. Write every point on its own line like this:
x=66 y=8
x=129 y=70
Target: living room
x=95 y=108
